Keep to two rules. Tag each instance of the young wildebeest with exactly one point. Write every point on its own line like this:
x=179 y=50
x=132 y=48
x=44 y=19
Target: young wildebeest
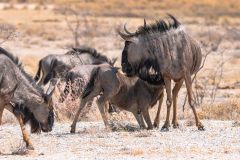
x=168 y=51
x=20 y=95
x=131 y=94
x=55 y=66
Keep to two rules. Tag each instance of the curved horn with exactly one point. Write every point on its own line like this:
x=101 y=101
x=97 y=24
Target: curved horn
x=144 y=23
x=127 y=37
x=176 y=23
x=123 y=35
x=125 y=29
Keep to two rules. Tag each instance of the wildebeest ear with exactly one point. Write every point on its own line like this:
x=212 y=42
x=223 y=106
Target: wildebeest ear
x=133 y=39
x=129 y=39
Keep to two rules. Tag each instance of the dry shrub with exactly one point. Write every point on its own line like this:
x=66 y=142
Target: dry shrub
x=223 y=111
x=7 y=32
x=68 y=109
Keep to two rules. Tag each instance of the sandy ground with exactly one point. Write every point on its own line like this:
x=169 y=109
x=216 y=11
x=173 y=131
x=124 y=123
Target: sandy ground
x=221 y=140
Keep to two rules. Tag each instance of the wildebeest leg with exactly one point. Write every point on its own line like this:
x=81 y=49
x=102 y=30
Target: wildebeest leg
x=1 y=113
x=175 y=91
x=101 y=106
x=81 y=106
x=147 y=118
x=42 y=78
x=188 y=83
x=139 y=119
x=167 y=82
x=157 y=118
x=24 y=132
x=52 y=85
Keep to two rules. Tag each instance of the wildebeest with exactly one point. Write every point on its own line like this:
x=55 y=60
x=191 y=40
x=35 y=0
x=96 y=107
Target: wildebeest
x=131 y=94
x=55 y=66
x=20 y=95
x=163 y=50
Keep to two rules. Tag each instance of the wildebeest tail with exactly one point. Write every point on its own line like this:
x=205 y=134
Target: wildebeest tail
x=38 y=74
x=50 y=72
x=90 y=85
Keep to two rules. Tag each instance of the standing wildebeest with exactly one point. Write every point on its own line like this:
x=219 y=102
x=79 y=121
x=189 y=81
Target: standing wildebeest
x=20 y=95
x=55 y=66
x=167 y=51
x=131 y=94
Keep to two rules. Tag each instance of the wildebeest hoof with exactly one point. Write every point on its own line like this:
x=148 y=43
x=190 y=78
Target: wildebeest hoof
x=175 y=125
x=73 y=130
x=155 y=125
x=149 y=128
x=165 y=128
x=30 y=147
x=201 y=127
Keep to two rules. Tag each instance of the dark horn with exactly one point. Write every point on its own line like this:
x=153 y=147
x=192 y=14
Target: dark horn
x=123 y=35
x=144 y=23
x=176 y=23
x=125 y=29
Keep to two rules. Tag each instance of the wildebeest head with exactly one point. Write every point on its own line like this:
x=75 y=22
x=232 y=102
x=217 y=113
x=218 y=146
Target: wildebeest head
x=41 y=113
x=133 y=64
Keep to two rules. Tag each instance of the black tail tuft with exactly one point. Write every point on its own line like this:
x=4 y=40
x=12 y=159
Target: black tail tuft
x=37 y=77
x=90 y=85
x=50 y=74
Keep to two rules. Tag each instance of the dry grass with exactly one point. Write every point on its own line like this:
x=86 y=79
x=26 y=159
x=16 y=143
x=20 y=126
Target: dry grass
x=147 y=8
x=137 y=152
x=30 y=64
x=229 y=110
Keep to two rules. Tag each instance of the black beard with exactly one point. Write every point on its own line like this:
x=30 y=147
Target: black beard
x=153 y=79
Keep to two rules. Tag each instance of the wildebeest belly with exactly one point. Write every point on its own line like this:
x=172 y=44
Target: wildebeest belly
x=124 y=99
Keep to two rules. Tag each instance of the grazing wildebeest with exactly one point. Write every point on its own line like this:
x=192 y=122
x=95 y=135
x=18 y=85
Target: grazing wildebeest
x=167 y=51
x=131 y=94
x=55 y=66
x=20 y=95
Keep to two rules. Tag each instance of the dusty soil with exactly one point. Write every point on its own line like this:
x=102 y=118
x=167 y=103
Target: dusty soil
x=221 y=140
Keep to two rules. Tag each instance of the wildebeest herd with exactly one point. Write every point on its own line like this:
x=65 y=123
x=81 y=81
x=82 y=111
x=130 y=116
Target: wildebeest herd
x=152 y=57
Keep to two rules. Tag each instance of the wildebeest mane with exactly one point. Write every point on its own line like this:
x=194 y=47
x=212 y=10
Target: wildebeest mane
x=16 y=61
x=93 y=52
x=162 y=25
